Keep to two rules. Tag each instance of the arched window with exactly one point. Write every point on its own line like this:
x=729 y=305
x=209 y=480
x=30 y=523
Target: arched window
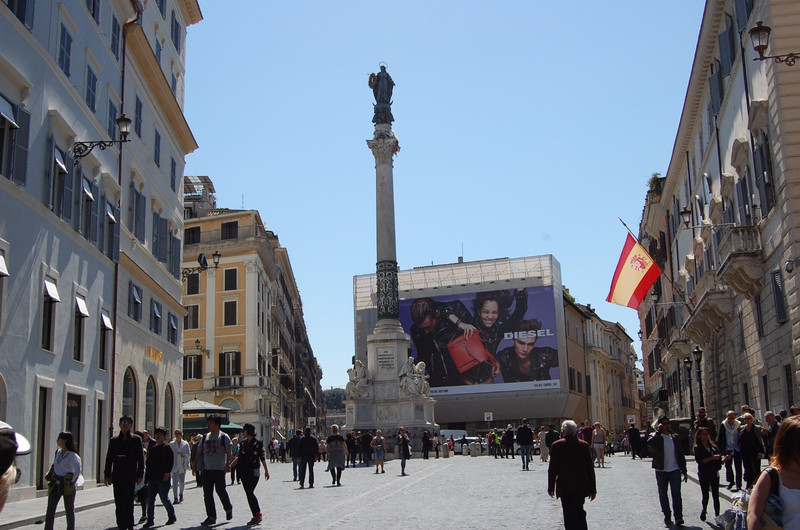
x=230 y=403
x=169 y=418
x=129 y=394
x=150 y=405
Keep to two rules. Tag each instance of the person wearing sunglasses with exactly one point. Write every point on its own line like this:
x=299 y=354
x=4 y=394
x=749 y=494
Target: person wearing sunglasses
x=124 y=469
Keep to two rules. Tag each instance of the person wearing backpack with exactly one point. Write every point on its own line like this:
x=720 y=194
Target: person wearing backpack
x=214 y=457
x=248 y=463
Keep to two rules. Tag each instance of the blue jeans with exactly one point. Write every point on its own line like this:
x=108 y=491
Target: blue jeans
x=671 y=479
x=162 y=488
x=525 y=452
x=52 y=503
x=295 y=466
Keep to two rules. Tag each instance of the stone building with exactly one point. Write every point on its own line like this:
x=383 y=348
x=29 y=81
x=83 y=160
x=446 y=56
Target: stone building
x=90 y=239
x=723 y=224
x=245 y=342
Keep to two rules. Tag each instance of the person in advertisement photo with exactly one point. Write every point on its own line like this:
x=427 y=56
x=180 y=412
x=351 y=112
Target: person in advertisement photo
x=499 y=343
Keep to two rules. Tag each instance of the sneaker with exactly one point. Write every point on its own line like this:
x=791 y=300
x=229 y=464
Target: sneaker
x=229 y=514
x=208 y=522
x=703 y=515
x=181 y=498
x=301 y=486
x=679 y=522
x=171 y=520
x=175 y=501
x=667 y=520
x=310 y=485
x=255 y=520
x=735 y=489
x=142 y=519
x=149 y=524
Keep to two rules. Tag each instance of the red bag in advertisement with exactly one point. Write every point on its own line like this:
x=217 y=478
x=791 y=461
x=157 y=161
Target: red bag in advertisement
x=469 y=352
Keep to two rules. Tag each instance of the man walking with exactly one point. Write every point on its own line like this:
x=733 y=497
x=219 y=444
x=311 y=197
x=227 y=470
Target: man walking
x=308 y=448
x=159 y=466
x=570 y=476
x=525 y=442
x=293 y=446
x=728 y=442
x=549 y=438
x=634 y=438
x=124 y=469
x=704 y=421
x=669 y=463
x=214 y=457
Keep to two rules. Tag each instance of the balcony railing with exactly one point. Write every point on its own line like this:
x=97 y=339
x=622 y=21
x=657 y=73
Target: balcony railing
x=228 y=381
x=243 y=232
x=741 y=259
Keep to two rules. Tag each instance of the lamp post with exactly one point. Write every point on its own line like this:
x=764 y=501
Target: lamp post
x=203 y=265
x=201 y=350
x=687 y=362
x=759 y=36
x=81 y=149
x=698 y=356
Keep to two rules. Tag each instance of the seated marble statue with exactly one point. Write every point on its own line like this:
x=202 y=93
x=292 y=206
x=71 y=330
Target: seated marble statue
x=358 y=386
x=413 y=380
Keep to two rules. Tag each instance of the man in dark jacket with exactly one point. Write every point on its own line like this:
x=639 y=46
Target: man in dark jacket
x=634 y=438
x=124 y=469
x=669 y=463
x=366 y=447
x=308 y=447
x=570 y=476
x=159 y=466
x=293 y=446
x=525 y=441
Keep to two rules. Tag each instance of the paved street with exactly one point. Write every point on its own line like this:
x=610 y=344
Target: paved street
x=459 y=492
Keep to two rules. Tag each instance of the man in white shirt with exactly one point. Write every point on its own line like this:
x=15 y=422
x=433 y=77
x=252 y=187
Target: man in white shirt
x=669 y=463
x=182 y=458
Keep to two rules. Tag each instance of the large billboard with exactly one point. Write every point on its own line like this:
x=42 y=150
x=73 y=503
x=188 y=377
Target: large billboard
x=505 y=338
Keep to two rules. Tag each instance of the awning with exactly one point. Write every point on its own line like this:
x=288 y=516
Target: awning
x=7 y=112
x=173 y=322
x=81 y=303
x=3 y=268
x=87 y=189
x=60 y=161
x=110 y=212
x=230 y=426
x=106 y=320
x=156 y=310
x=51 y=290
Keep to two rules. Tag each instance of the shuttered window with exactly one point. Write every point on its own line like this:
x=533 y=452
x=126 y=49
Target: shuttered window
x=780 y=296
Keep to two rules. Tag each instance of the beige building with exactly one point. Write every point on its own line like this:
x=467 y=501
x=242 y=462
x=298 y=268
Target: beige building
x=723 y=224
x=245 y=342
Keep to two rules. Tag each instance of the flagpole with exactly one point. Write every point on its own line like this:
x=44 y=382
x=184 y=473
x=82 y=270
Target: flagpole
x=674 y=287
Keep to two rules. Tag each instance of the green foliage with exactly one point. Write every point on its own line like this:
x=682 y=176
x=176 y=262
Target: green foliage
x=334 y=398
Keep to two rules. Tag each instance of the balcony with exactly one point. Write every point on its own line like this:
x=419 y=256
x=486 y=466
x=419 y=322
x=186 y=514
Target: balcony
x=741 y=260
x=229 y=381
x=713 y=306
x=241 y=232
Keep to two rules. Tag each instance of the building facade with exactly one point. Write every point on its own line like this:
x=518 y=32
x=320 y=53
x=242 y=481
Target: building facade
x=245 y=342
x=77 y=229
x=723 y=224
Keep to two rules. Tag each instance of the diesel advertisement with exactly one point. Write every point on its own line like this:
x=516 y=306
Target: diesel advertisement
x=504 y=337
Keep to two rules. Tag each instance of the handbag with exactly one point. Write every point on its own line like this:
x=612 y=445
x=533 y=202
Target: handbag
x=50 y=476
x=469 y=352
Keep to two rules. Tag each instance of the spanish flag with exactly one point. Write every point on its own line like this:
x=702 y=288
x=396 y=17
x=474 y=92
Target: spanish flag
x=636 y=273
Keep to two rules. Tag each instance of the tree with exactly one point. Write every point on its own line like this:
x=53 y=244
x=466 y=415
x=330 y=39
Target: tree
x=334 y=398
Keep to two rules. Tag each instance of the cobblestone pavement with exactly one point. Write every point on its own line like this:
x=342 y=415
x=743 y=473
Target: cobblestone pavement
x=456 y=492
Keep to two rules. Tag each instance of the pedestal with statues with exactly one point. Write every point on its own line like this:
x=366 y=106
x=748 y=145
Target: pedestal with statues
x=390 y=391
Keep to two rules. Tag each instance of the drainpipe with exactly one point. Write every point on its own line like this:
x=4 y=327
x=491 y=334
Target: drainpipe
x=137 y=6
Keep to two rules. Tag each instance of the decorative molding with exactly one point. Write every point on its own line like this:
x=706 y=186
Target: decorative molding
x=388 y=299
x=383 y=149
x=740 y=154
x=759 y=115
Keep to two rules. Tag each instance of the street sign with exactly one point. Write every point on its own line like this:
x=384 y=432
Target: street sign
x=631 y=419
x=312 y=421
x=487 y=416
x=276 y=423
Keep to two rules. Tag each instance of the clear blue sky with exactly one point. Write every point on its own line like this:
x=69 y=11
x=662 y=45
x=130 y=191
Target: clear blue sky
x=526 y=128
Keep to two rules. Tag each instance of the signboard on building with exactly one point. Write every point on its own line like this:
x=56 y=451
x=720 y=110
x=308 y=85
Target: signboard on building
x=505 y=338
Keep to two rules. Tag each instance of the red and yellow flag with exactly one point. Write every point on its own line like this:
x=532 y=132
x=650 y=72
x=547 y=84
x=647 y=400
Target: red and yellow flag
x=636 y=273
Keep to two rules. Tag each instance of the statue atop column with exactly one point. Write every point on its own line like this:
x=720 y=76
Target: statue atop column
x=382 y=86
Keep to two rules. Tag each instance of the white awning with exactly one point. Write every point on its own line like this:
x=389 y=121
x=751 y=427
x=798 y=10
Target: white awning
x=136 y=297
x=60 y=161
x=87 y=189
x=51 y=290
x=156 y=310
x=106 y=319
x=110 y=212
x=82 y=309
x=7 y=112
x=3 y=268
x=173 y=322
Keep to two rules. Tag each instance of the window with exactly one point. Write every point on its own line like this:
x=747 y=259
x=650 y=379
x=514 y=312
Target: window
x=90 y=206
x=129 y=394
x=727 y=45
x=175 y=247
x=155 y=317
x=230 y=230
x=23 y=10
x=759 y=315
x=150 y=405
x=173 y=174
x=765 y=390
x=789 y=379
x=169 y=409
x=158 y=50
x=172 y=328
x=81 y=312
x=74 y=418
x=51 y=298
x=61 y=184
x=571 y=378
x=64 y=50
x=193 y=283
x=580 y=383
x=716 y=87
x=191 y=320
x=762 y=166
x=780 y=296
x=111 y=231
x=192 y=367
x=176 y=32
x=137 y=208
x=115 y=32
x=229 y=366
x=91 y=89
x=134 y=302
x=230 y=279
x=105 y=339
x=137 y=117
x=14 y=127
x=191 y=235
x=160 y=237
x=94 y=9
x=157 y=149
x=743 y=10
x=111 y=123
x=162 y=7
x=588 y=385
x=174 y=85
x=746 y=393
x=230 y=313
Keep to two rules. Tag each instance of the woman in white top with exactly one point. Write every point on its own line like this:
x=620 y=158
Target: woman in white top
x=65 y=475
x=182 y=456
x=599 y=444
x=786 y=460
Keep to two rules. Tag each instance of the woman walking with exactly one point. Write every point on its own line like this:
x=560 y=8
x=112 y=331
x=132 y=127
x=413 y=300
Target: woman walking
x=379 y=446
x=63 y=477
x=182 y=454
x=709 y=462
x=248 y=463
x=751 y=446
x=599 y=444
x=403 y=448
x=337 y=454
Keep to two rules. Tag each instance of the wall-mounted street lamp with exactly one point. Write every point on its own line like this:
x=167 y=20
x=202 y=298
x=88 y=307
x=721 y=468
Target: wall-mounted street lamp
x=203 y=265
x=81 y=149
x=686 y=217
x=201 y=350
x=697 y=353
x=687 y=362
x=759 y=36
